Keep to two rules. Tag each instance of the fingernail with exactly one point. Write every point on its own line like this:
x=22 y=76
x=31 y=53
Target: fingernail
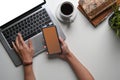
x=19 y=33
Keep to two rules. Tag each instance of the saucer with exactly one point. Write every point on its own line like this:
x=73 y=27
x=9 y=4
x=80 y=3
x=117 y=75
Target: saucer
x=72 y=18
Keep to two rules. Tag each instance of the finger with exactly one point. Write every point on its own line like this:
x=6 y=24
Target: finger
x=17 y=42
x=14 y=46
x=21 y=39
x=44 y=47
x=30 y=44
x=46 y=53
x=59 y=55
x=61 y=40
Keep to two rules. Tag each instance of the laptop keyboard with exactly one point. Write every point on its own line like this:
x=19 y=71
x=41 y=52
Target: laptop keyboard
x=28 y=27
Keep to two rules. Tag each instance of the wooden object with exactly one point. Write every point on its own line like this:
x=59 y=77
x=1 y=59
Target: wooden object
x=100 y=18
x=99 y=14
x=118 y=2
x=95 y=8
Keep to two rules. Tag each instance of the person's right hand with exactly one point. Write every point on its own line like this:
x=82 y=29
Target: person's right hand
x=65 y=50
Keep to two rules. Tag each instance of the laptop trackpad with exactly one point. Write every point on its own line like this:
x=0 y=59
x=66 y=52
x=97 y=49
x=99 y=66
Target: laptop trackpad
x=38 y=43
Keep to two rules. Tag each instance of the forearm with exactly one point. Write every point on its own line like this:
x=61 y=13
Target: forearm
x=28 y=73
x=81 y=72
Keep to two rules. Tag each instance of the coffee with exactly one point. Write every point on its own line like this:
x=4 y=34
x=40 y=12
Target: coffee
x=66 y=12
x=66 y=8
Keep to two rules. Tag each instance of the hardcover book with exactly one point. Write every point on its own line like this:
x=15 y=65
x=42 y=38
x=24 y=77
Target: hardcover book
x=96 y=10
x=118 y=2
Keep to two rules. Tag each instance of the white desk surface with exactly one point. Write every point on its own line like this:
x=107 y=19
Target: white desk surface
x=98 y=49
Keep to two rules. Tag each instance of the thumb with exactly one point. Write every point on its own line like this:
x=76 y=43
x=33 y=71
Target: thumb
x=61 y=40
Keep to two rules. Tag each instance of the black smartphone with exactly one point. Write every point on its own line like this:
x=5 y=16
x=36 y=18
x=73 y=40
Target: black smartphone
x=51 y=40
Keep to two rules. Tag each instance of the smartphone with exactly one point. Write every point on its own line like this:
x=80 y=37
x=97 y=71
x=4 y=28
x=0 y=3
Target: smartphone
x=51 y=40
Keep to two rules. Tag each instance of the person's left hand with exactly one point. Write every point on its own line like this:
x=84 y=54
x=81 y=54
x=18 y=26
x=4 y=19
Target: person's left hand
x=24 y=51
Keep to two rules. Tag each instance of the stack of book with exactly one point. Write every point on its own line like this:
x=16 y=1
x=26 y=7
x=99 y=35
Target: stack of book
x=96 y=11
x=118 y=2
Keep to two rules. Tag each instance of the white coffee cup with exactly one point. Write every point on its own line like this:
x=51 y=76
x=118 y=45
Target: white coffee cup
x=66 y=12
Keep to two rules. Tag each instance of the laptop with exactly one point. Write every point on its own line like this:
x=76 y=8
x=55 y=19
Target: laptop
x=28 y=19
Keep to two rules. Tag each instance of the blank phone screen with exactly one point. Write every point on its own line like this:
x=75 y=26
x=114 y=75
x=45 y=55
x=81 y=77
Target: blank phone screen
x=51 y=39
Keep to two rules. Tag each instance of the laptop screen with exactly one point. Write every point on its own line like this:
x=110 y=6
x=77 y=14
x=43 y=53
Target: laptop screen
x=10 y=9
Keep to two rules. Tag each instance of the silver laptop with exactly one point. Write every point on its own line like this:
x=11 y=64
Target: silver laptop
x=32 y=17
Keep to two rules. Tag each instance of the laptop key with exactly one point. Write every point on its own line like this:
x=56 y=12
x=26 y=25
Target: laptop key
x=28 y=27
